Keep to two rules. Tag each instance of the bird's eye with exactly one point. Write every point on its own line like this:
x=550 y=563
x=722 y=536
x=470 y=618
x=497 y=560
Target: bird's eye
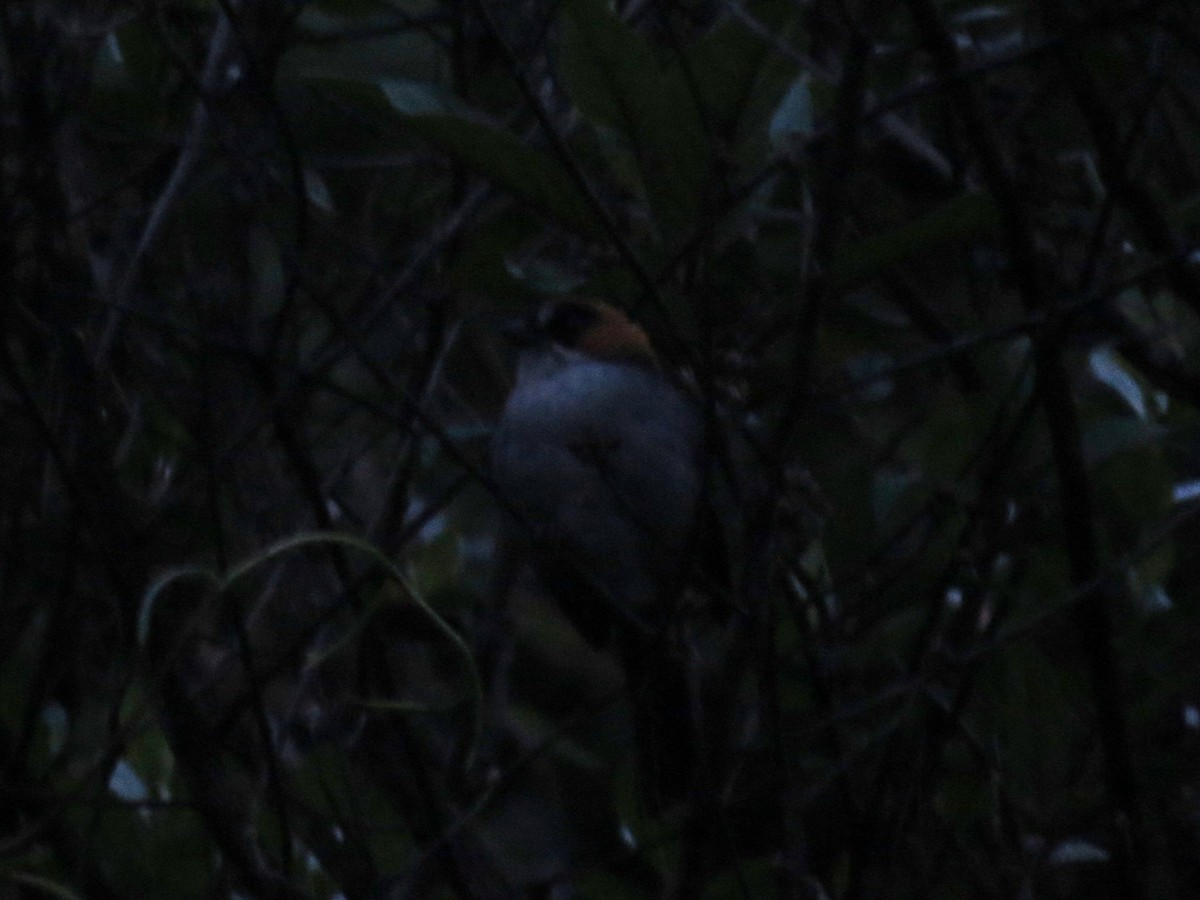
x=567 y=322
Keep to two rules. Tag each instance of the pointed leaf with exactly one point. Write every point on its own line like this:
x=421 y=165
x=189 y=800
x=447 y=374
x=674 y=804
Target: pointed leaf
x=793 y=117
x=492 y=152
x=1110 y=371
x=614 y=77
x=957 y=219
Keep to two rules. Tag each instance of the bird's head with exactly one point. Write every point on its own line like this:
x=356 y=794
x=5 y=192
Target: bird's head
x=562 y=331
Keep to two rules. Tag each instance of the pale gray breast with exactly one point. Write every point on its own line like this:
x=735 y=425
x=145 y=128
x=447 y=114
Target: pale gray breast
x=600 y=461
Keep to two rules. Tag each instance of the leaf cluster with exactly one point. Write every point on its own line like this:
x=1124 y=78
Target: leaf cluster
x=939 y=257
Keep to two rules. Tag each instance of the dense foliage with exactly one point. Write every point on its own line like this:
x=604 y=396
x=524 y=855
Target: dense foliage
x=943 y=255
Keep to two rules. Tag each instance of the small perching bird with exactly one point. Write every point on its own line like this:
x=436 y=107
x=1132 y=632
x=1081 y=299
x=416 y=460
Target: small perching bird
x=606 y=467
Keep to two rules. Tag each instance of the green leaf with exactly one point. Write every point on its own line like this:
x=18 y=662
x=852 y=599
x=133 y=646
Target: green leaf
x=1115 y=435
x=955 y=220
x=19 y=669
x=421 y=98
x=545 y=276
x=55 y=724
x=891 y=489
x=126 y=784
x=741 y=76
x=1136 y=483
x=161 y=853
x=492 y=152
x=479 y=263
x=318 y=191
x=794 y=116
x=614 y=77
x=1107 y=367
x=266 y=262
x=436 y=563
x=412 y=54
x=1037 y=720
x=1074 y=851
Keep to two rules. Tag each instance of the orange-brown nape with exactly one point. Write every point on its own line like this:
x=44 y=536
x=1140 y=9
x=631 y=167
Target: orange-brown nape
x=613 y=335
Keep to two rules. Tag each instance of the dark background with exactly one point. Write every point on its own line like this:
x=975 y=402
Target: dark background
x=252 y=255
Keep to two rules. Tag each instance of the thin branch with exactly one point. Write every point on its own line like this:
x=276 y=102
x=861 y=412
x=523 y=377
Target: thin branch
x=1093 y=621
x=189 y=157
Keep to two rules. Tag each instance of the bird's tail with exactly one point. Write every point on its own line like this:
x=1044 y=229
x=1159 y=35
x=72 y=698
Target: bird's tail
x=680 y=720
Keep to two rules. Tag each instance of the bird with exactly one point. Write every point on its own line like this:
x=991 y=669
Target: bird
x=607 y=469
